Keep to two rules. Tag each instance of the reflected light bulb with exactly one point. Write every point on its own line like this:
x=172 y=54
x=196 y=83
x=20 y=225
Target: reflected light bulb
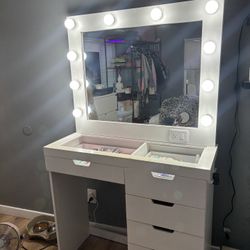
x=109 y=19
x=85 y=56
x=206 y=120
x=212 y=7
x=89 y=109
x=77 y=113
x=69 y=23
x=156 y=14
x=72 y=56
x=209 y=47
x=87 y=83
x=208 y=85
x=74 y=85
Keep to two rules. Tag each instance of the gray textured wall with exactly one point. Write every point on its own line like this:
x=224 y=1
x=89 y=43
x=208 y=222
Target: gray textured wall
x=34 y=91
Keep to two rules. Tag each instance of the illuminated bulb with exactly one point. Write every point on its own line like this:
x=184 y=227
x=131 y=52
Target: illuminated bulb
x=69 y=24
x=89 y=109
x=74 y=85
x=156 y=14
x=109 y=19
x=77 y=113
x=208 y=85
x=87 y=83
x=211 y=7
x=209 y=47
x=72 y=56
x=206 y=120
x=85 y=56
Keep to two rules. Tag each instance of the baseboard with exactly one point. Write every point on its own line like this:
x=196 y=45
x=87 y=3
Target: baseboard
x=108 y=232
x=20 y=212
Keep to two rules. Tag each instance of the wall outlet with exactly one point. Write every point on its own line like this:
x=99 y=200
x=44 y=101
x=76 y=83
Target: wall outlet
x=91 y=196
x=179 y=136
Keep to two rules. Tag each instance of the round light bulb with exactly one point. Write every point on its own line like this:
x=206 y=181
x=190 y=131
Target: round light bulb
x=109 y=19
x=74 y=85
x=87 y=83
x=85 y=56
x=208 y=85
x=209 y=47
x=72 y=56
x=206 y=120
x=212 y=7
x=89 y=109
x=77 y=113
x=156 y=14
x=69 y=23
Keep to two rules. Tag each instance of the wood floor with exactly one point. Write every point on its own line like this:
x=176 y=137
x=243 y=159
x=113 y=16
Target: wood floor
x=93 y=243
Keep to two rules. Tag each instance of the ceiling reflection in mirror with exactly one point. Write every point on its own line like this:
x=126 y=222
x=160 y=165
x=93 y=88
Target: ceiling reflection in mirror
x=148 y=75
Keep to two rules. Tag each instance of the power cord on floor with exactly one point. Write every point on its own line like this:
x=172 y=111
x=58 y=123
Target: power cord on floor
x=236 y=128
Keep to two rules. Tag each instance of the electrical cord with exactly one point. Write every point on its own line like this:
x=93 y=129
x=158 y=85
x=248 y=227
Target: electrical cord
x=237 y=123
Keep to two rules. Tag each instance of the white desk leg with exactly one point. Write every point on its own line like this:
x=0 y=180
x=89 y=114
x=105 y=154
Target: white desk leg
x=71 y=210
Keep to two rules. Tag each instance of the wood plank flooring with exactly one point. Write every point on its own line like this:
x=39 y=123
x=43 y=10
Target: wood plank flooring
x=92 y=243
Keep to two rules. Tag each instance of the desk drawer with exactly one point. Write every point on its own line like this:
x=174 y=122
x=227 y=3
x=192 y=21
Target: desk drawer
x=85 y=169
x=168 y=215
x=134 y=247
x=161 y=239
x=152 y=184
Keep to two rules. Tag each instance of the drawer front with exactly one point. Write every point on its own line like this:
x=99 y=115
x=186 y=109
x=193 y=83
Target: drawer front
x=168 y=215
x=134 y=247
x=160 y=239
x=152 y=184
x=85 y=169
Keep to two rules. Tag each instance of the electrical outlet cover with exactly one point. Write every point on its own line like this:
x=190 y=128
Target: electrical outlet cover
x=91 y=193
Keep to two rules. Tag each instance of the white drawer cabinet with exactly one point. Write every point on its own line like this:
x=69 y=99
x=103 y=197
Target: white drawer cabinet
x=161 y=239
x=180 y=190
x=180 y=218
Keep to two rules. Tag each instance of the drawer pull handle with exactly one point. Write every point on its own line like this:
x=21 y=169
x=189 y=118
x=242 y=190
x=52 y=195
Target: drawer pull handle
x=82 y=163
x=164 y=176
x=170 y=231
x=163 y=203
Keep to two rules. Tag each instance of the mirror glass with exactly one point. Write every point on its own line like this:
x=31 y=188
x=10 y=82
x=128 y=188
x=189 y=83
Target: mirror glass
x=148 y=75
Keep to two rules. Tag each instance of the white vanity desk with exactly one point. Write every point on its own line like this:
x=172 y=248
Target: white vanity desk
x=168 y=202
x=167 y=171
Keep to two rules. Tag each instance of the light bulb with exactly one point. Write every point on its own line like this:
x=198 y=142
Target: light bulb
x=208 y=85
x=69 y=23
x=72 y=56
x=87 y=83
x=212 y=7
x=156 y=14
x=85 y=56
x=77 y=113
x=89 y=109
x=206 y=120
x=209 y=47
x=74 y=85
x=109 y=19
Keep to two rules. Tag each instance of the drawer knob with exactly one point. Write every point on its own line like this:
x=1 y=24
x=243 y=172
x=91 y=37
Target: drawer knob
x=163 y=176
x=82 y=163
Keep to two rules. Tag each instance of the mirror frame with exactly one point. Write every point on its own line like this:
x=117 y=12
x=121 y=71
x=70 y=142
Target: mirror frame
x=181 y=12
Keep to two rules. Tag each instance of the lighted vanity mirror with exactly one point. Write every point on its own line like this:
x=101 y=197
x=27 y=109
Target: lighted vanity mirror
x=111 y=96
x=148 y=75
